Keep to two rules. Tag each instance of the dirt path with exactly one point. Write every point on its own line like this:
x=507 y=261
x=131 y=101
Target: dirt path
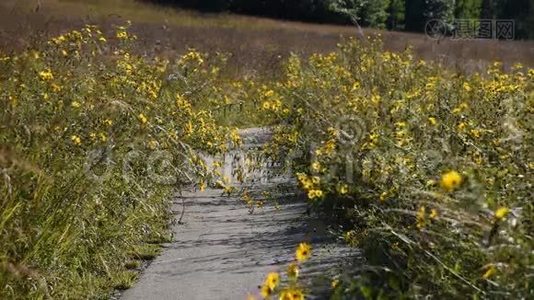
x=224 y=252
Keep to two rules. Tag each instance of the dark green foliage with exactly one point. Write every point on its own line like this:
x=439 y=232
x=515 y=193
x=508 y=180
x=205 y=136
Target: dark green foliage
x=396 y=14
x=439 y=9
x=375 y=13
x=369 y=13
x=522 y=11
x=411 y=15
x=468 y=9
x=419 y=12
x=415 y=20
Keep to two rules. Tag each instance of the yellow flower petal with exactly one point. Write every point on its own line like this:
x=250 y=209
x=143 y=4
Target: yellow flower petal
x=501 y=213
x=451 y=180
x=303 y=251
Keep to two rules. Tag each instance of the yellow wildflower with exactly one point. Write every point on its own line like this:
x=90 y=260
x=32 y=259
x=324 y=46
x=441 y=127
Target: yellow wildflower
x=142 y=118
x=375 y=99
x=343 y=189
x=501 y=213
x=46 y=75
x=335 y=283
x=272 y=280
x=307 y=184
x=192 y=56
x=433 y=214
x=202 y=186
x=467 y=87
x=420 y=217
x=56 y=88
x=451 y=180
x=122 y=35
x=265 y=291
x=291 y=294
x=153 y=144
x=303 y=252
x=476 y=133
x=269 y=93
x=490 y=272
x=76 y=140
x=293 y=271
x=312 y=194
x=235 y=137
x=460 y=108
x=316 y=166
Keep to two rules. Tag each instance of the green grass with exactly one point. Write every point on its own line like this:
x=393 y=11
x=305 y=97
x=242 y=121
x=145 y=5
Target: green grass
x=132 y=264
x=145 y=252
x=124 y=280
x=81 y=197
x=429 y=171
x=64 y=234
x=258 y=46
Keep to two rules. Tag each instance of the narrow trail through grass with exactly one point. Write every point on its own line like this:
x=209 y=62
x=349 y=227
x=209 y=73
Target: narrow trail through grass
x=221 y=251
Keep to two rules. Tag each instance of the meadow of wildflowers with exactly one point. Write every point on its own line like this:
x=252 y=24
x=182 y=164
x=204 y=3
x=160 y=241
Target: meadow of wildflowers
x=289 y=287
x=94 y=141
x=428 y=170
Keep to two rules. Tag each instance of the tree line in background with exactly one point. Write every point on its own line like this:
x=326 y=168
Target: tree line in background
x=409 y=15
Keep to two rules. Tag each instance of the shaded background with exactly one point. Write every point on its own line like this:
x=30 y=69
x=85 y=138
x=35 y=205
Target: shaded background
x=410 y=15
x=255 y=45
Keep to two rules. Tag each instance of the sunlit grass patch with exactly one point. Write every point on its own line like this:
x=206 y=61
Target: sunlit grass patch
x=430 y=170
x=145 y=252
x=132 y=264
x=124 y=280
x=95 y=142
